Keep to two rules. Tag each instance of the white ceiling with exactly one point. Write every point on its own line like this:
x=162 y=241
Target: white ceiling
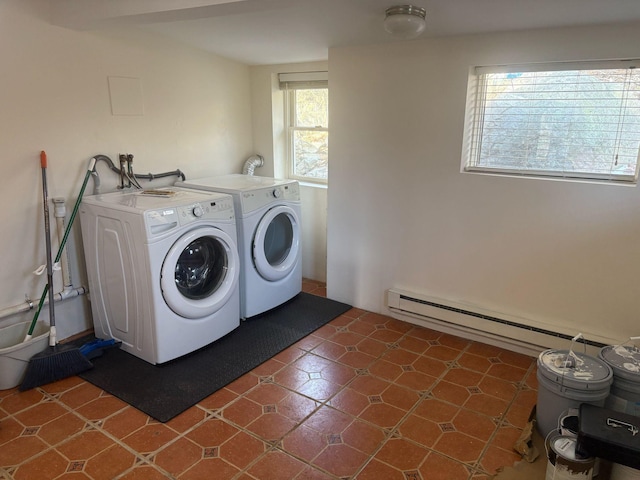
x=262 y=32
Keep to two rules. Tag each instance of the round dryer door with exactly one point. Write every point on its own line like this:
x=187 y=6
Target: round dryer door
x=276 y=243
x=200 y=272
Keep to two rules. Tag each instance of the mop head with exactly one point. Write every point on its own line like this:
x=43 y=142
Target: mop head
x=52 y=364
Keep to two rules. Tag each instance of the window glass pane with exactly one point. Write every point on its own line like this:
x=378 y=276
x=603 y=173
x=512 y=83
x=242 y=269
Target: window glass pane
x=312 y=107
x=583 y=123
x=311 y=153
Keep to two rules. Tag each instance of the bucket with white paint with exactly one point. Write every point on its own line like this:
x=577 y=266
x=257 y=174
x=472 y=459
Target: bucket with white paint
x=623 y=472
x=625 y=389
x=564 y=463
x=565 y=380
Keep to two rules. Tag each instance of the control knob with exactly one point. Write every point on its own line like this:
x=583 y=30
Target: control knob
x=276 y=193
x=197 y=211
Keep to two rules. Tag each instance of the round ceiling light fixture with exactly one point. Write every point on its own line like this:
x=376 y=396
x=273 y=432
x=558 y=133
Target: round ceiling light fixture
x=405 y=21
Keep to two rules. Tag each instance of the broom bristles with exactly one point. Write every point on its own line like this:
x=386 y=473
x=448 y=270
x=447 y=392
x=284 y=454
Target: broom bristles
x=52 y=364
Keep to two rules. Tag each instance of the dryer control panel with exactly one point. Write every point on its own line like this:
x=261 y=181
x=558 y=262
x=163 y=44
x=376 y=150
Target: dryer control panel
x=255 y=199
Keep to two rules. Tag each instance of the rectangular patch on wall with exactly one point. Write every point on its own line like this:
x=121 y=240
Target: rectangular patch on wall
x=126 y=96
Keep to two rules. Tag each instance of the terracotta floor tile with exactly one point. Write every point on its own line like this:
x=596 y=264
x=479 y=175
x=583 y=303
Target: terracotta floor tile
x=438 y=467
x=329 y=350
x=242 y=412
x=474 y=424
x=178 y=456
x=420 y=430
x=305 y=442
x=143 y=472
x=109 y=463
x=442 y=352
x=49 y=465
x=204 y=468
x=101 y=408
x=276 y=465
x=486 y=404
x=402 y=454
x=219 y=399
x=356 y=359
x=40 y=414
x=212 y=433
x=10 y=429
x=350 y=401
x=400 y=397
x=436 y=410
x=386 y=370
x=463 y=377
x=383 y=415
x=507 y=372
x=363 y=437
x=450 y=392
x=460 y=446
x=60 y=429
x=495 y=458
x=418 y=381
x=413 y=344
x=19 y=449
x=362 y=327
x=366 y=396
x=85 y=445
x=271 y=426
x=498 y=388
x=150 y=437
x=377 y=470
x=125 y=422
x=242 y=449
x=372 y=347
x=430 y=366
x=187 y=419
x=310 y=473
x=477 y=363
x=80 y=395
x=341 y=460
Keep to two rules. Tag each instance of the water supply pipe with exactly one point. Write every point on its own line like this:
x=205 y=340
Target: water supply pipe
x=253 y=162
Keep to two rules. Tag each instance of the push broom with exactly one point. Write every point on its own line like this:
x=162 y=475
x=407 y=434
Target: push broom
x=63 y=242
x=56 y=361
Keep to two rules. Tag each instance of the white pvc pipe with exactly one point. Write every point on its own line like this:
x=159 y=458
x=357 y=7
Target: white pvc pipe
x=60 y=213
x=29 y=305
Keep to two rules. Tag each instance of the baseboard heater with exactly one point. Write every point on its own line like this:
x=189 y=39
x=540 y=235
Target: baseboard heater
x=478 y=323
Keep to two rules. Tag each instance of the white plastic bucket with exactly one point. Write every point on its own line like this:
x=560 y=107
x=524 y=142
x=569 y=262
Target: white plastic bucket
x=563 y=385
x=15 y=354
x=563 y=461
x=622 y=472
x=625 y=389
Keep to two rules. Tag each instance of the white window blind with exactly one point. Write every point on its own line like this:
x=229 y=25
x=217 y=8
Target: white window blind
x=303 y=80
x=579 y=120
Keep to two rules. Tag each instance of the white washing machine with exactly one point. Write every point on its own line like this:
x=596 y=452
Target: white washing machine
x=163 y=269
x=268 y=219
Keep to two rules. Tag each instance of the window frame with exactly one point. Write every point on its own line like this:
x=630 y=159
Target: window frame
x=474 y=122
x=290 y=83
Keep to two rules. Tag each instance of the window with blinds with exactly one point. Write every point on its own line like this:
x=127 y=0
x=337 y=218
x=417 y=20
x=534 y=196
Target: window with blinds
x=307 y=117
x=577 y=121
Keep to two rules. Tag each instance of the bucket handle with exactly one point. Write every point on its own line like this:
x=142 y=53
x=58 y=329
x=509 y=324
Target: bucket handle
x=572 y=359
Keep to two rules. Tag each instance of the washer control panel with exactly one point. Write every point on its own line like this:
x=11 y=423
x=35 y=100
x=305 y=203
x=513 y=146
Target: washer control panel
x=163 y=220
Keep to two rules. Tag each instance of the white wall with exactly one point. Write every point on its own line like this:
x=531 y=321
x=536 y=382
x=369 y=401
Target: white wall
x=55 y=97
x=267 y=103
x=400 y=213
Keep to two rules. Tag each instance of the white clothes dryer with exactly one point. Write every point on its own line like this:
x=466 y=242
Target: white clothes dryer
x=163 y=269
x=268 y=220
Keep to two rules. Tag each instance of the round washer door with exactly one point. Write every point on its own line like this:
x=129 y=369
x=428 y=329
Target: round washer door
x=200 y=272
x=276 y=243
